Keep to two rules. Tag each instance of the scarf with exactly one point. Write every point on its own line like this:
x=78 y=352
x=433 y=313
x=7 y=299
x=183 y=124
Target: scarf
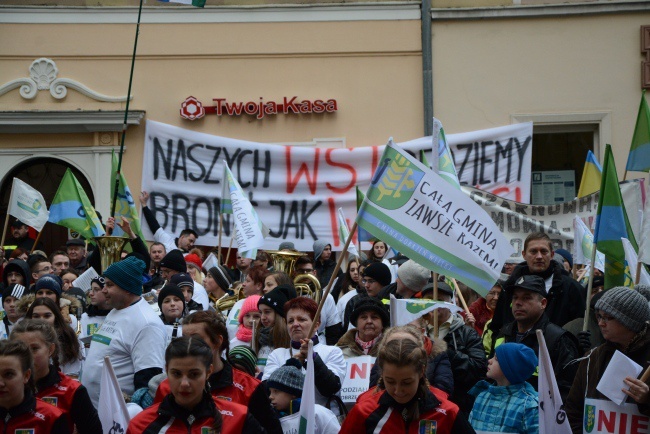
x=296 y=345
x=244 y=334
x=366 y=346
x=265 y=337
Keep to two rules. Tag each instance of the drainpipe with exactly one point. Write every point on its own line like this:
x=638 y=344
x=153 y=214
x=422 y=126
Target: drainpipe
x=427 y=73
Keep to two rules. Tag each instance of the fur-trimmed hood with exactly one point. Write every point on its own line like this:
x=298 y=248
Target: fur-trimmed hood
x=66 y=303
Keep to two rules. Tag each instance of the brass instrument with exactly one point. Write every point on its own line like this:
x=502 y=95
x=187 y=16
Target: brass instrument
x=110 y=249
x=284 y=261
x=307 y=285
x=227 y=301
x=79 y=313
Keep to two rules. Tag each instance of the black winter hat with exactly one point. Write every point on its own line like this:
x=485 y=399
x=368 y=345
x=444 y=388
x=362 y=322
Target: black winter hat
x=378 y=271
x=277 y=297
x=168 y=290
x=221 y=275
x=370 y=304
x=174 y=260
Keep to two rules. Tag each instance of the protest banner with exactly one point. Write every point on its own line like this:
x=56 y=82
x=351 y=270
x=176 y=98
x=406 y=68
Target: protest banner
x=605 y=417
x=357 y=378
x=518 y=220
x=296 y=190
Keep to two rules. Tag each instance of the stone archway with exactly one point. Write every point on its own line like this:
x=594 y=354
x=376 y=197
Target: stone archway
x=44 y=174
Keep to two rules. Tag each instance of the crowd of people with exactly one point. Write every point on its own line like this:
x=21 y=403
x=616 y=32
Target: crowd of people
x=198 y=348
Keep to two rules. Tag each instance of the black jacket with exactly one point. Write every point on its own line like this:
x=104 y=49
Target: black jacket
x=325 y=270
x=468 y=362
x=562 y=348
x=565 y=302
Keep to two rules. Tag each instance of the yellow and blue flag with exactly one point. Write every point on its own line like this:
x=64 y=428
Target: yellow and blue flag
x=591 y=176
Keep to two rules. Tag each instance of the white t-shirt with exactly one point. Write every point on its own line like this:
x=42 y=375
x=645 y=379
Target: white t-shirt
x=343 y=301
x=169 y=329
x=134 y=338
x=330 y=355
x=262 y=355
x=90 y=324
x=165 y=239
x=201 y=296
x=237 y=343
x=232 y=322
x=74 y=368
x=325 y=422
x=329 y=316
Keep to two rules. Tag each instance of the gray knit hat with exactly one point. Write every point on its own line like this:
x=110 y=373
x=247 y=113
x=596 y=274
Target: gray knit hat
x=221 y=275
x=413 y=275
x=627 y=306
x=319 y=246
x=644 y=290
x=287 y=379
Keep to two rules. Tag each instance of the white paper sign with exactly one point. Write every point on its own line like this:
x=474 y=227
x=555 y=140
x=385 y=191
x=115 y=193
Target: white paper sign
x=605 y=417
x=357 y=378
x=85 y=279
x=611 y=383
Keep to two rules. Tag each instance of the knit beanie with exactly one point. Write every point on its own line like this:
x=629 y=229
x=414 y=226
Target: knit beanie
x=287 y=379
x=127 y=274
x=243 y=357
x=566 y=255
x=15 y=290
x=413 y=275
x=250 y=305
x=366 y=304
x=166 y=291
x=644 y=290
x=174 y=260
x=99 y=280
x=287 y=245
x=51 y=282
x=221 y=276
x=319 y=246
x=193 y=258
x=277 y=297
x=517 y=361
x=182 y=279
x=627 y=306
x=380 y=272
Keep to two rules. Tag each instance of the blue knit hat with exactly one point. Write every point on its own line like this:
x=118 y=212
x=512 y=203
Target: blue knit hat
x=127 y=274
x=517 y=361
x=51 y=282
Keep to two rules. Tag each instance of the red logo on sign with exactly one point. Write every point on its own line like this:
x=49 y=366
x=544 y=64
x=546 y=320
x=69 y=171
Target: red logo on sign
x=192 y=109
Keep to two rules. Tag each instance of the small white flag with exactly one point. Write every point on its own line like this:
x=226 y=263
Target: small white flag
x=406 y=310
x=28 y=205
x=644 y=241
x=631 y=259
x=111 y=408
x=552 y=417
x=308 y=401
x=210 y=261
x=344 y=233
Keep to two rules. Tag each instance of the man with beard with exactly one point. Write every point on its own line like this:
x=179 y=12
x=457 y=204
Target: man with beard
x=184 y=242
x=563 y=294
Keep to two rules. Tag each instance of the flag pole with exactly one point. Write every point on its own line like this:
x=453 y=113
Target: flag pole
x=585 y=325
x=434 y=277
x=229 y=248
x=4 y=232
x=38 y=237
x=326 y=292
x=220 y=231
x=638 y=273
x=460 y=295
x=126 y=114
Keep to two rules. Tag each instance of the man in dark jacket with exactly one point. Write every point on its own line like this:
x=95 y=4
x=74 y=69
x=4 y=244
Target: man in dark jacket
x=528 y=307
x=563 y=294
x=465 y=351
x=324 y=263
x=20 y=238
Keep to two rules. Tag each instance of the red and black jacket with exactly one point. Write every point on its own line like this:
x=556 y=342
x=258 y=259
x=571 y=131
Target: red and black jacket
x=234 y=385
x=33 y=416
x=170 y=418
x=377 y=411
x=71 y=397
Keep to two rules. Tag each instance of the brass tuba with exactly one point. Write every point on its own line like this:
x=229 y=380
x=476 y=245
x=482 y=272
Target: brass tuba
x=226 y=302
x=307 y=285
x=283 y=260
x=110 y=249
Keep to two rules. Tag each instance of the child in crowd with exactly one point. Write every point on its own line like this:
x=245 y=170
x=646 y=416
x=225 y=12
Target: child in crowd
x=512 y=405
x=248 y=314
x=285 y=385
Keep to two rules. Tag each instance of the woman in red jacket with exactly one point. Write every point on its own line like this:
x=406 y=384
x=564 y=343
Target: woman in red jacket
x=403 y=401
x=20 y=411
x=189 y=408
x=53 y=386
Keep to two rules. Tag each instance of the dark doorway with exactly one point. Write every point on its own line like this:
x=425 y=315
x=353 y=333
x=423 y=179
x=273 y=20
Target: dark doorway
x=43 y=174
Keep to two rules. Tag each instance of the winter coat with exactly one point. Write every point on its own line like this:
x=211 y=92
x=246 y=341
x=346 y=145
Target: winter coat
x=325 y=270
x=507 y=409
x=562 y=348
x=481 y=314
x=564 y=299
x=350 y=348
x=33 y=416
x=377 y=412
x=467 y=358
x=591 y=369
x=168 y=417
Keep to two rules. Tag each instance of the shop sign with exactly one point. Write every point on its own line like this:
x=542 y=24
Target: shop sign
x=193 y=109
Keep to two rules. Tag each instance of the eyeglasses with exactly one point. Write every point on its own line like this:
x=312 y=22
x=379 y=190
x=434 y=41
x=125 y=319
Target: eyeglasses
x=604 y=318
x=48 y=268
x=305 y=270
x=368 y=281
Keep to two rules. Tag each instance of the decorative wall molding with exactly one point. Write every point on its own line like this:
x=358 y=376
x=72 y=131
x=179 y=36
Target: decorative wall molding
x=67 y=121
x=43 y=75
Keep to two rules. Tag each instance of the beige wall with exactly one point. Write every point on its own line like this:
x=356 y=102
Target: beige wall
x=486 y=71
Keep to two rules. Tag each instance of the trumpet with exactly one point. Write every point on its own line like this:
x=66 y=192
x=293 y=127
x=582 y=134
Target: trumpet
x=307 y=285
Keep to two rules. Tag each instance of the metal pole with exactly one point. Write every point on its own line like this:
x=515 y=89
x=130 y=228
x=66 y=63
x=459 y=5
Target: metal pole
x=427 y=70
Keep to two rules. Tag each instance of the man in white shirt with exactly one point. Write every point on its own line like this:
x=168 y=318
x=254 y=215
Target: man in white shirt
x=132 y=335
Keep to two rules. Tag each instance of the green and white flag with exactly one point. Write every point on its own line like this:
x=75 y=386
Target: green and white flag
x=308 y=401
x=249 y=229
x=583 y=246
x=419 y=214
x=442 y=162
x=72 y=209
x=344 y=233
x=125 y=205
x=27 y=205
x=406 y=310
x=631 y=260
x=225 y=204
